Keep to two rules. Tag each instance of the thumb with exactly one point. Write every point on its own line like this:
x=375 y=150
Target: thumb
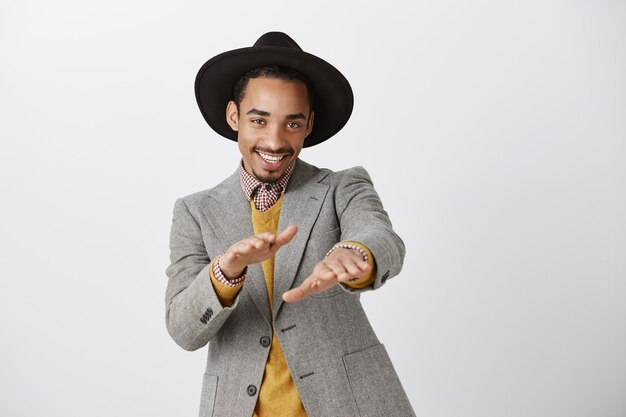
x=294 y=295
x=286 y=236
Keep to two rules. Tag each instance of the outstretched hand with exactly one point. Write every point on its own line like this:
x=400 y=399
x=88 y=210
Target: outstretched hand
x=253 y=250
x=341 y=265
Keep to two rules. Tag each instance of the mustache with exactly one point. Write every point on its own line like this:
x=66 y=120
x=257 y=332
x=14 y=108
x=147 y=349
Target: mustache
x=287 y=151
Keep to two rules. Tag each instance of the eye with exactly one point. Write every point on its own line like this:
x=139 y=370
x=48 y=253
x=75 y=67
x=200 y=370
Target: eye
x=258 y=121
x=293 y=125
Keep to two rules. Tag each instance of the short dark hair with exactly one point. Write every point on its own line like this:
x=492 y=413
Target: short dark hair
x=272 y=71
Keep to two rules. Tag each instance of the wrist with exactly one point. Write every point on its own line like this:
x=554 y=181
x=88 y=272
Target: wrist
x=230 y=269
x=226 y=275
x=348 y=246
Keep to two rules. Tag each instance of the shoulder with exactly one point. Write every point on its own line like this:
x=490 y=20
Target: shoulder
x=222 y=191
x=350 y=176
x=325 y=175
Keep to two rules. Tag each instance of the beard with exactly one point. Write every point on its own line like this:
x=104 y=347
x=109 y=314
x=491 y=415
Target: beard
x=274 y=178
x=265 y=179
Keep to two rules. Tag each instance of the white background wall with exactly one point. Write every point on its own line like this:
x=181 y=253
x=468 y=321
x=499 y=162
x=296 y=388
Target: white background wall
x=494 y=131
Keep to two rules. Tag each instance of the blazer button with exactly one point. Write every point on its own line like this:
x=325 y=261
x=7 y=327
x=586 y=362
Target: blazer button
x=207 y=315
x=251 y=390
x=265 y=341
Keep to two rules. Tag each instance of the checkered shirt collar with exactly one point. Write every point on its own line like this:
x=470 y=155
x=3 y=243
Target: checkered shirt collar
x=249 y=183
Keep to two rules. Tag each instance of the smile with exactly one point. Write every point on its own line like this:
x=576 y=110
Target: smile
x=271 y=158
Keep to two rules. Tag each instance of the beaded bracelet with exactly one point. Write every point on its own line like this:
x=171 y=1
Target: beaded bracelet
x=349 y=246
x=217 y=271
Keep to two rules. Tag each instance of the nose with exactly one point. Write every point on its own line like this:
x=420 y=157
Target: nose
x=274 y=138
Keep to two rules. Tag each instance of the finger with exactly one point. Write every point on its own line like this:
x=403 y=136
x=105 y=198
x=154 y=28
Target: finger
x=324 y=277
x=359 y=271
x=294 y=295
x=238 y=248
x=286 y=235
x=364 y=266
x=345 y=276
x=357 y=268
x=323 y=271
x=267 y=237
x=258 y=242
x=353 y=268
x=338 y=269
x=308 y=287
x=243 y=247
x=251 y=251
x=352 y=257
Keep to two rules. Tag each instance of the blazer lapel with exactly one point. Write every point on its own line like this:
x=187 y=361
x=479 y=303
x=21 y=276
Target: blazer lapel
x=301 y=206
x=232 y=221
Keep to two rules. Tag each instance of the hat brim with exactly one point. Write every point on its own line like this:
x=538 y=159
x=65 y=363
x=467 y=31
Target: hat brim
x=333 y=95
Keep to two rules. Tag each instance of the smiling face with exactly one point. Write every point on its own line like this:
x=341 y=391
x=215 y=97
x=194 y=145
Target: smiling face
x=272 y=122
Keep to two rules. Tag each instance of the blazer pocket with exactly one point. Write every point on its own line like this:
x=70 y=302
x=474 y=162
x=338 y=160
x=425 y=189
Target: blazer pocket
x=336 y=232
x=329 y=292
x=207 y=399
x=375 y=384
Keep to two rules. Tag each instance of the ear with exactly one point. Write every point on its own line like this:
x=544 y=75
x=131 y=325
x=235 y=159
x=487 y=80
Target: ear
x=309 y=126
x=232 y=115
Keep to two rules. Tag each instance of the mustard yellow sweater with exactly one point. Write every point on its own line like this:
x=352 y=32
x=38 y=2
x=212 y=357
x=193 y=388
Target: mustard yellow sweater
x=278 y=394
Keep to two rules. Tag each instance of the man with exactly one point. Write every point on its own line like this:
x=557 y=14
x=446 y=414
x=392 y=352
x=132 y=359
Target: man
x=268 y=265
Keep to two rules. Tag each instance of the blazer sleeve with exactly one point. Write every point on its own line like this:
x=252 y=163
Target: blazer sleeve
x=362 y=218
x=193 y=312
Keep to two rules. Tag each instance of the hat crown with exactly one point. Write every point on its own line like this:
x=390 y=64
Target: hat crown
x=333 y=95
x=279 y=39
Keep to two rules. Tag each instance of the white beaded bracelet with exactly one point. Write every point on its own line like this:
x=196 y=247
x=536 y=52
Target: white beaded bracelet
x=349 y=246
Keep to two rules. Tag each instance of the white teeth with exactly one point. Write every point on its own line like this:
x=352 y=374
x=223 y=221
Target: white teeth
x=270 y=158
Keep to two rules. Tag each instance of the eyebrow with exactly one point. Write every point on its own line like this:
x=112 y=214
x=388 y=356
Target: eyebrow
x=295 y=116
x=266 y=114
x=259 y=112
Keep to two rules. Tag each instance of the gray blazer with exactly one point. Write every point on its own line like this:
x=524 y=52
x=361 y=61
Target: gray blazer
x=337 y=363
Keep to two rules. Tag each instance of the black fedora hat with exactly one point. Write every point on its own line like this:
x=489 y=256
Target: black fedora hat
x=333 y=94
